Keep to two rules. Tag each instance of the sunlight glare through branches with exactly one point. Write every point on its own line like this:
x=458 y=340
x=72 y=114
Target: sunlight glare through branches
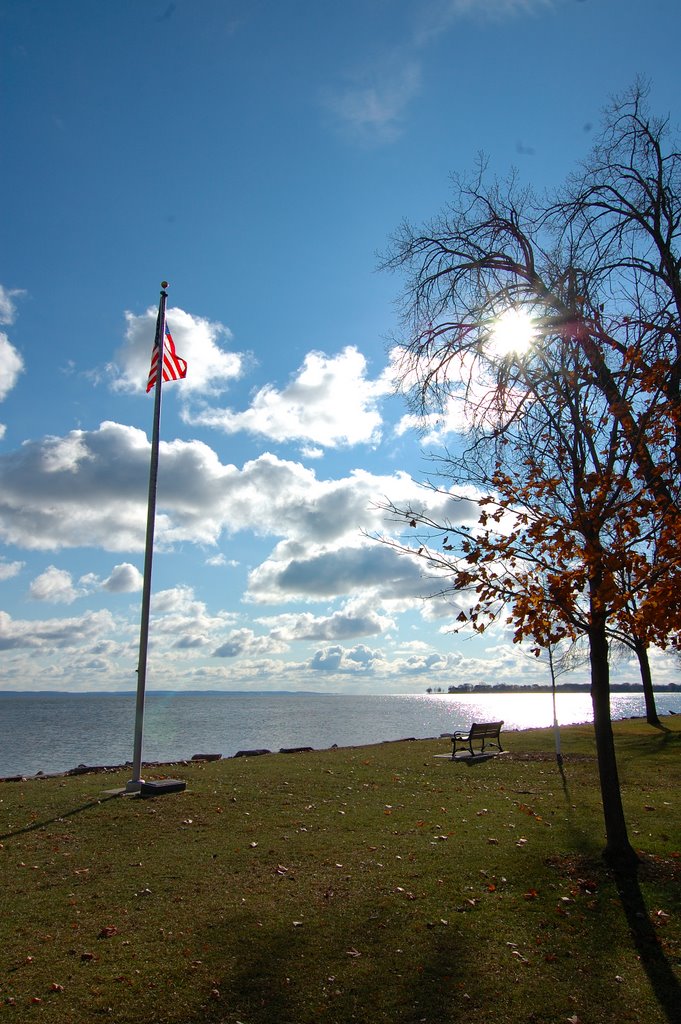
x=512 y=334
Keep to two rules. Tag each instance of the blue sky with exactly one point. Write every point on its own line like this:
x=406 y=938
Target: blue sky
x=257 y=155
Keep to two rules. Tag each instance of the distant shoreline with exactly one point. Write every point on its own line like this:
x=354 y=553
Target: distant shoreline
x=474 y=690
x=461 y=691
x=175 y=693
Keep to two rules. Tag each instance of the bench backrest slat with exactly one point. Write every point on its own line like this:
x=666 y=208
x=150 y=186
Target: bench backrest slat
x=485 y=728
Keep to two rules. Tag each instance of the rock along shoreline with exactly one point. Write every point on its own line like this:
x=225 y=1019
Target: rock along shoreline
x=103 y=769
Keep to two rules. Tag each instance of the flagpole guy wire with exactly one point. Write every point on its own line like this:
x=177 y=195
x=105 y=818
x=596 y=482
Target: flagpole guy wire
x=135 y=784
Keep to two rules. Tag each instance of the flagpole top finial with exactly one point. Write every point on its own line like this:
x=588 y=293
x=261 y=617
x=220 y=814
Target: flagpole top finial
x=164 y=284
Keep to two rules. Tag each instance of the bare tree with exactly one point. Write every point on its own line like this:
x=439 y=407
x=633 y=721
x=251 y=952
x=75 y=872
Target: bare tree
x=599 y=263
x=577 y=440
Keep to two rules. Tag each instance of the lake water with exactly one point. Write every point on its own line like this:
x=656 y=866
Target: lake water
x=55 y=732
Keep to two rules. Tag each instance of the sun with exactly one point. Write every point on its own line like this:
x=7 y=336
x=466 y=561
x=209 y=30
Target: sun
x=512 y=334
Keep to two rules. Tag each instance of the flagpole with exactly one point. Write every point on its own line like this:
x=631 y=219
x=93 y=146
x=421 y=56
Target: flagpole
x=135 y=784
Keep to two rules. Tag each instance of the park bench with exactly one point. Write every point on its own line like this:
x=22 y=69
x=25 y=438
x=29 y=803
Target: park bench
x=480 y=734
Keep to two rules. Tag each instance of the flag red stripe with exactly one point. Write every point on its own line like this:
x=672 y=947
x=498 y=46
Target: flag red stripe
x=174 y=368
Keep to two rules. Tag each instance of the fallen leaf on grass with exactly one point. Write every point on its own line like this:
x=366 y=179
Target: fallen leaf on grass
x=107 y=931
x=531 y=894
x=353 y=952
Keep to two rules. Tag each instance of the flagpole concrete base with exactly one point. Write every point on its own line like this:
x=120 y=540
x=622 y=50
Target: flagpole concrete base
x=134 y=786
x=160 y=786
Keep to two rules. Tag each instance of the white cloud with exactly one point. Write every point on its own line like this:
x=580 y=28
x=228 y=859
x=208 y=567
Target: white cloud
x=326 y=573
x=11 y=362
x=217 y=561
x=51 y=499
x=8 y=570
x=64 y=454
x=372 y=106
x=184 y=621
x=11 y=365
x=53 y=634
x=199 y=341
x=340 y=625
x=89 y=489
x=55 y=585
x=124 y=579
x=437 y=17
x=311 y=452
x=346 y=661
x=435 y=429
x=469 y=397
x=324 y=560
x=176 y=600
x=330 y=402
x=8 y=309
x=246 y=642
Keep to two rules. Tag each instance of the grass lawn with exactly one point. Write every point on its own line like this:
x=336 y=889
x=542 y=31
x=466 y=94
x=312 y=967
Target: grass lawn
x=372 y=884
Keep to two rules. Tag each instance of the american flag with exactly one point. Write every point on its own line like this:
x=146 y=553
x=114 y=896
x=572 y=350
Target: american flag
x=174 y=368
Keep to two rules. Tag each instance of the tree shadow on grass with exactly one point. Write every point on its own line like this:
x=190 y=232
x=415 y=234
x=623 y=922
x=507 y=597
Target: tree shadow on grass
x=661 y=976
x=659 y=740
x=662 y=979
x=288 y=976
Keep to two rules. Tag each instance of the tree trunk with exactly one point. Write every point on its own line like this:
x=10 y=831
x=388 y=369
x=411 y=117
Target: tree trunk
x=647 y=680
x=618 y=850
